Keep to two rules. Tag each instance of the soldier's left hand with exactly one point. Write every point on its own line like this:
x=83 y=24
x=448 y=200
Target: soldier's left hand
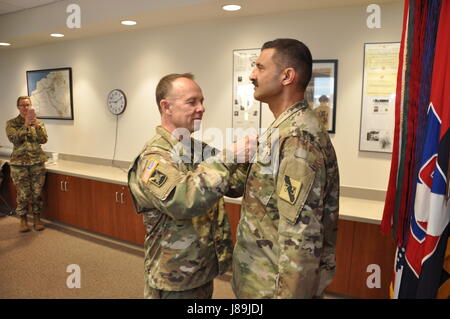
x=245 y=148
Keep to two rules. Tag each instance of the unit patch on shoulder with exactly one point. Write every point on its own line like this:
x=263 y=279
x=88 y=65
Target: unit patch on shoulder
x=158 y=178
x=290 y=189
x=150 y=168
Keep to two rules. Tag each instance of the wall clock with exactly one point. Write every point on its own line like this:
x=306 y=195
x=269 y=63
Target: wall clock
x=117 y=101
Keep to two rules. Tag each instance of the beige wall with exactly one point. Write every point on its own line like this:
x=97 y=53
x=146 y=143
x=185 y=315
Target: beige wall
x=134 y=61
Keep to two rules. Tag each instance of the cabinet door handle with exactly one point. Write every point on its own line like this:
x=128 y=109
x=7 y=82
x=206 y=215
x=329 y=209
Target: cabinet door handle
x=62 y=189
x=117 y=197
x=121 y=198
x=65 y=187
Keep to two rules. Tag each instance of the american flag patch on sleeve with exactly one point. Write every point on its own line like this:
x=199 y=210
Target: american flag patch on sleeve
x=150 y=167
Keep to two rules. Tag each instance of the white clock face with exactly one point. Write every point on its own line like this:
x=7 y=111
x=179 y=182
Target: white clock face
x=117 y=101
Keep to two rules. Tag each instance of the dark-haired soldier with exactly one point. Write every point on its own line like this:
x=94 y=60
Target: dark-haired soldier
x=286 y=238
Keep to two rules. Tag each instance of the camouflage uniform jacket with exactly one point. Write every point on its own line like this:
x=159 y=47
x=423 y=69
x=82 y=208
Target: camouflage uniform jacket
x=286 y=238
x=27 y=142
x=188 y=240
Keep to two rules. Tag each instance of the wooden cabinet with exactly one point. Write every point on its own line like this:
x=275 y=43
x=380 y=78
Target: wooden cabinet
x=7 y=188
x=105 y=208
x=130 y=224
x=344 y=245
x=101 y=207
x=66 y=199
x=115 y=214
x=370 y=247
x=358 y=246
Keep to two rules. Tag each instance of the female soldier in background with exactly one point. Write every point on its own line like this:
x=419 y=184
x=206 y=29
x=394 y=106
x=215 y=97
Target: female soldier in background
x=27 y=161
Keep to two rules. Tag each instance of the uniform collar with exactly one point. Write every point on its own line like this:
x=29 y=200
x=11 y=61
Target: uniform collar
x=297 y=106
x=289 y=112
x=167 y=135
x=182 y=149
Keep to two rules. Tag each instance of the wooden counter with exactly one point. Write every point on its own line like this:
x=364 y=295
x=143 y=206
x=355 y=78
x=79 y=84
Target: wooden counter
x=91 y=197
x=96 y=198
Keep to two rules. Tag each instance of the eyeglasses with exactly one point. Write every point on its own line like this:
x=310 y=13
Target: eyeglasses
x=24 y=105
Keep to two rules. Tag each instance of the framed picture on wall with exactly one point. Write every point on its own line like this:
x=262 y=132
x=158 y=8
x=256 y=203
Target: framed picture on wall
x=51 y=93
x=378 y=97
x=321 y=92
x=246 y=111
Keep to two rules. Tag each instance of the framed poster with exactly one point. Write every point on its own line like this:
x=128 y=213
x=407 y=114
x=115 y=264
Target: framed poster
x=246 y=111
x=321 y=92
x=51 y=93
x=378 y=96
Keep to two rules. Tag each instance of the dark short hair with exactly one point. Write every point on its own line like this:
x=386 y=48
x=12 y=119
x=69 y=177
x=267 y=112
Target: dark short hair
x=23 y=97
x=323 y=98
x=165 y=85
x=292 y=53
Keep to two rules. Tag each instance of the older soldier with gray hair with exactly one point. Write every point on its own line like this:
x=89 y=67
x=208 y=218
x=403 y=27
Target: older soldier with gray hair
x=188 y=240
x=286 y=239
x=27 y=161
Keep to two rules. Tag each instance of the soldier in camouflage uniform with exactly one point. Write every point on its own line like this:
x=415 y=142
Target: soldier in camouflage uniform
x=286 y=237
x=27 y=162
x=323 y=111
x=188 y=240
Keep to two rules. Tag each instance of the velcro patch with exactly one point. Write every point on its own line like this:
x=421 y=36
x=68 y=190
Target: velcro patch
x=290 y=189
x=150 y=168
x=158 y=178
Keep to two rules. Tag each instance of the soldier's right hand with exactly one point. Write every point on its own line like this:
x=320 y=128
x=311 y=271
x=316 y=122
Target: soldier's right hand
x=30 y=118
x=245 y=148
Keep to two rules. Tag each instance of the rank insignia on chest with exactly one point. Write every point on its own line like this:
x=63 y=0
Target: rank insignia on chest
x=150 y=168
x=158 y=178
x=290 y=189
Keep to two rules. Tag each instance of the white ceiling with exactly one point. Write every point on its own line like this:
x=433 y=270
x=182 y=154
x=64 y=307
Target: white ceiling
x=32 y=26
x=10 y=6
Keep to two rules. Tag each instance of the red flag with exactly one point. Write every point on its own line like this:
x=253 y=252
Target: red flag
x=429 y=227
x=389 y=206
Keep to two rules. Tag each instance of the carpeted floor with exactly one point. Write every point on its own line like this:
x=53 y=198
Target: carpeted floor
x=35 y=265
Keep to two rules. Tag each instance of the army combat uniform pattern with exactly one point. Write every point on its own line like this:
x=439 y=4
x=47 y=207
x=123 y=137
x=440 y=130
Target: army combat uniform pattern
x=286 y=237
x=323 y=112
x=27 y=163
x=188 y=240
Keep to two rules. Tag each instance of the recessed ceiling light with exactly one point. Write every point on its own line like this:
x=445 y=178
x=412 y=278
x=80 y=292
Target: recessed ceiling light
x=128 y=22
x=5 y=44
x=57 y=35
x=231 y=7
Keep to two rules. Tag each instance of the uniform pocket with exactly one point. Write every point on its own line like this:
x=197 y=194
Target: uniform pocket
x=259 y=190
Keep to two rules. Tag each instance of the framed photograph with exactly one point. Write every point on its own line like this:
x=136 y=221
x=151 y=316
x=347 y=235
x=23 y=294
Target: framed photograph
x=378 y=96
x=246 y=110
x=51 y=93
x=321 y=92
